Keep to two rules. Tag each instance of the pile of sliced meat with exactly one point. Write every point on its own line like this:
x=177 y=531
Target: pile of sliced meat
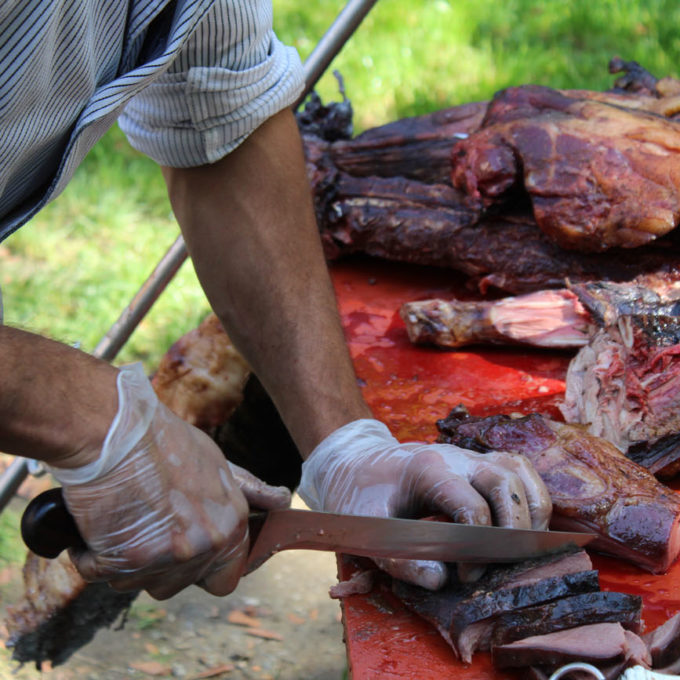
x=539 y=614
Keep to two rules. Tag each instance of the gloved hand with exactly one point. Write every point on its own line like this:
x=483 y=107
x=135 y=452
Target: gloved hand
x=361 y=469
x=160 y=508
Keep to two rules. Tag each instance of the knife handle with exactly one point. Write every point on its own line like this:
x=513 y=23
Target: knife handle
x=48 y=528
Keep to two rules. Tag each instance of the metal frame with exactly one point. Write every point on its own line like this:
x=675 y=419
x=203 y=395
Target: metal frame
x=108 y=347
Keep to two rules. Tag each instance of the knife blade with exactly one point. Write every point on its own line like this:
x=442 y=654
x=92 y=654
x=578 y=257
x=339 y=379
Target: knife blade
x=277 y=530
x=48 y=528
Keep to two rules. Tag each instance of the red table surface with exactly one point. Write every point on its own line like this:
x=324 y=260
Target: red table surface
x=409 y=388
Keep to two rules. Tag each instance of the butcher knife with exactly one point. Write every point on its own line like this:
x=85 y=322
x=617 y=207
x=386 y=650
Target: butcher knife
x=47 y=528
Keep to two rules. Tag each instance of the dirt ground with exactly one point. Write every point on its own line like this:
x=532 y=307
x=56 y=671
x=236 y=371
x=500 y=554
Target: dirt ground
x=280 y=624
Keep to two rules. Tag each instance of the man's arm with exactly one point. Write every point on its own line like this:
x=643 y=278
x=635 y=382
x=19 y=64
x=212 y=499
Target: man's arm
x=56 y=402
x=250 y=229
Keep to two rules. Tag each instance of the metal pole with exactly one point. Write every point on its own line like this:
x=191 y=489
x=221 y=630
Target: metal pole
x=352 y=14
x=326 y=50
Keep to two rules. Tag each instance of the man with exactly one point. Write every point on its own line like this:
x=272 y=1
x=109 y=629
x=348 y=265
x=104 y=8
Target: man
x=205 y=89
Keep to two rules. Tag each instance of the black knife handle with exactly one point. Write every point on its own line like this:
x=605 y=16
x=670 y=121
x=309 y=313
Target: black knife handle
x=47 y=526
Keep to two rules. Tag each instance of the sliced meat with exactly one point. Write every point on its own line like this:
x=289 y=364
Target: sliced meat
x=569 y=612
x=465 y=613
x=599 y=175
x=593 y=486
x=600 y=643
x=550 y=318
x=664 y=643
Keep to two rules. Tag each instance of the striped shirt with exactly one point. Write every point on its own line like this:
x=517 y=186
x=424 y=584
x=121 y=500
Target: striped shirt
x=188 y=81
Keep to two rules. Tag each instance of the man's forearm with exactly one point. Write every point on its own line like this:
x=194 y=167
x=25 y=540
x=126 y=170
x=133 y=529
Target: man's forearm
x=249 y=226
x=56 y=402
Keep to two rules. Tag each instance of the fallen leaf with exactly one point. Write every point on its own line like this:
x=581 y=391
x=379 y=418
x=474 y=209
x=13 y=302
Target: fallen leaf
x=240 y=618
x=151 y=648
x=294 y=618
x=313 y=614
x=212 y=672
x=6 y=575
x=151 y=667
x=263 y=633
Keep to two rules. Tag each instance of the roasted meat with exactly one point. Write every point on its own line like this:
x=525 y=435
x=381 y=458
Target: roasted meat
x=466 y=614
x=599 y=175
x=201 y=377
x=409 y=221
x=592 y=485
x=550 y=318
x=59 y=612
x=569 y=612
x=599 y=643
x=625 y=383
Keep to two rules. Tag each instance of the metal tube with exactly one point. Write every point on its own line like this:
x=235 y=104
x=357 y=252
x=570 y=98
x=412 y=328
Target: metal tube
x=11 y=480
x=328 y=47
x=333 y=41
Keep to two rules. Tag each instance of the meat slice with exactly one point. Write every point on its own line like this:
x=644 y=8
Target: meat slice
x=598 y=174
x=599 y=643
x=569 y=612
x=550 y=318
x=664 y=643
x=592 y=485
x=465 y=614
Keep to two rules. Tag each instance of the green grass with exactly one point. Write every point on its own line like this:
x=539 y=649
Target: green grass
x=71 y=271
x=12 y=550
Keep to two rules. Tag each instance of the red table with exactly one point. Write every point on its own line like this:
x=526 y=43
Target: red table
x=409 y=388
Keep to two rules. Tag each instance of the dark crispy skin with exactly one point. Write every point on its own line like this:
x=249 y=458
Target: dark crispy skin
x=593 y=486
x=418 y=147
x=409 y=221
x=599 y=175
x=569 y=612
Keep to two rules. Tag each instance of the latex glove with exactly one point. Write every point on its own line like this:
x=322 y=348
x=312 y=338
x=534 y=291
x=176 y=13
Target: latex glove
x=160 y=508
x=361 y=469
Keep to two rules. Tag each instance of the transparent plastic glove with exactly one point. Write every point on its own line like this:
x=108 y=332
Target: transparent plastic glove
x=361 y=469
x=160 y=508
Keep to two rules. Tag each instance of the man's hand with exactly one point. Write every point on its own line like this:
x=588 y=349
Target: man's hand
x=361 y=469
x=160 y=508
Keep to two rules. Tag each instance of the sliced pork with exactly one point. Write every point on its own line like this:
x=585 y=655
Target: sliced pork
x=592 y=485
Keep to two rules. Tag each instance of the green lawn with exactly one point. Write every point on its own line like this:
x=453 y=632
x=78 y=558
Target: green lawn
x=71 y=271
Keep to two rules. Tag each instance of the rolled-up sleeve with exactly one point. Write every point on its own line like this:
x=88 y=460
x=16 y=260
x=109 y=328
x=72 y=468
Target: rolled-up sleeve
x=231 y=75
